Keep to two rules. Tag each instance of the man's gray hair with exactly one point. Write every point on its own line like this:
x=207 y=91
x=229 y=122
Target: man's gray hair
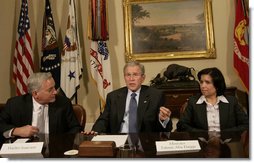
x=35 y=81
x=135 y=63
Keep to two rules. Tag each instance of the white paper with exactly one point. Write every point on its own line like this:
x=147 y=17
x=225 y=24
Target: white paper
x=22 y=140
x=118 y=139
x=173 y=146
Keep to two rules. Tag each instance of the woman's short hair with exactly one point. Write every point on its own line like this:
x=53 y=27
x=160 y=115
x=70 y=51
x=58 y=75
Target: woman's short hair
x=217 y=79
x=34 y=82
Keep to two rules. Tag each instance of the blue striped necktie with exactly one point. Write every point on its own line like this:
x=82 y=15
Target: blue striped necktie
x=133 y=114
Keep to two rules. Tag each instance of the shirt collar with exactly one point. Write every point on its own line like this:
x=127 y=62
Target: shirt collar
x=36 y=105
x=137 y=92
x=219 y=98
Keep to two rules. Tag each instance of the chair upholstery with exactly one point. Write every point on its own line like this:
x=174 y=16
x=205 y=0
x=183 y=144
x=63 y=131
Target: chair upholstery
x=183 y=107
x=181 y=111
x=80 y=113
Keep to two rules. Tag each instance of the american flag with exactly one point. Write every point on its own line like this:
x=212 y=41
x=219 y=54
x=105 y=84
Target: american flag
x=23 y=65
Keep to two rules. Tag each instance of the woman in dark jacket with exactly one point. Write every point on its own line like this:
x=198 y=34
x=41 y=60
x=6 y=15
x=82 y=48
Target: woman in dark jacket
x=213 y=110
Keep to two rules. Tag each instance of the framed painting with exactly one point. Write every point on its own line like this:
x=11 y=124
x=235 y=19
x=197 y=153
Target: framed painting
x=168 y=29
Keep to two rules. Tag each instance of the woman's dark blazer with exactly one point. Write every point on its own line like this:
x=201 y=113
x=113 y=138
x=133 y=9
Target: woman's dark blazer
x=232 y=117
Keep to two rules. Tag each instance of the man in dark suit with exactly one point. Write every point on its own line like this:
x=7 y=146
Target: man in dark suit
x=39 y=111
x=150 y=114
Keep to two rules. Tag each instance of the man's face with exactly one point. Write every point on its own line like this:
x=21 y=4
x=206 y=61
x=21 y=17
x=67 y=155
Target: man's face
x=46 y=93
x=133 y=78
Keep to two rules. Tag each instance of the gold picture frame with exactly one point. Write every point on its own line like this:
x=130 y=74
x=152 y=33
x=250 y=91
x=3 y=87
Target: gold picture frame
x=168 y=29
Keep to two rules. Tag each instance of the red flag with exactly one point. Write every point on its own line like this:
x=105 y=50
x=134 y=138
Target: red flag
x=23 y=58
x=97 y=20
x=241 y=44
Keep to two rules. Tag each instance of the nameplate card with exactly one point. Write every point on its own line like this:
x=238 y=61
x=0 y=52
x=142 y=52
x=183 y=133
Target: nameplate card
x=21 y=148
x=175 y=146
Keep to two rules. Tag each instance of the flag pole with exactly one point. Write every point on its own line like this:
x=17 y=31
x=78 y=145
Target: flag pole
x=76 y=98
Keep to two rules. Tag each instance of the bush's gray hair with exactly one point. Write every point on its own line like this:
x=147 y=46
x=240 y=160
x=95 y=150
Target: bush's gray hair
x=135 y=63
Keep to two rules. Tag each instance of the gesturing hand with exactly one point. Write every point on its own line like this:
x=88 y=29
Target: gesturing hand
x=164 y=113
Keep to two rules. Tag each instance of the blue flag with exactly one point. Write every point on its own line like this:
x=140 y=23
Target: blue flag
x=50 y=61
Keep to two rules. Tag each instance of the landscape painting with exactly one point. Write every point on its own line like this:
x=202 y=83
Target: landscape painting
x=168 y=29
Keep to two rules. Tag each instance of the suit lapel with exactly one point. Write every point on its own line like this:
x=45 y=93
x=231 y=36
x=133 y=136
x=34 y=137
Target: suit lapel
x=144 y=99
x=202 y=108
x=224 y=110
x=120 y=105
x=53 y=117
x=29 y=109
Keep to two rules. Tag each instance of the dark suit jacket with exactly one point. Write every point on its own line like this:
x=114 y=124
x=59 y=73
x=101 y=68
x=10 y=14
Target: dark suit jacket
x=18 y=112
x=150 y=100
x=232 y=117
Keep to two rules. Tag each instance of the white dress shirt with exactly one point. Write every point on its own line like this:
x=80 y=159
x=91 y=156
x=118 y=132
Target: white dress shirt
x=36 y=110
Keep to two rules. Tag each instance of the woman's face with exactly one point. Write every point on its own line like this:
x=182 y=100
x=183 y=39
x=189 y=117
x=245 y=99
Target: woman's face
x=206 y=86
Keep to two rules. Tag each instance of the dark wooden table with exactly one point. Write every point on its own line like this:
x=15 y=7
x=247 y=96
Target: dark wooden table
x=237 y=147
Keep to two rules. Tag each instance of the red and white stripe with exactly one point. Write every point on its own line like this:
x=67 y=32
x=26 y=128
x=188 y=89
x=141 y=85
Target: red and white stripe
x=23 y=65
